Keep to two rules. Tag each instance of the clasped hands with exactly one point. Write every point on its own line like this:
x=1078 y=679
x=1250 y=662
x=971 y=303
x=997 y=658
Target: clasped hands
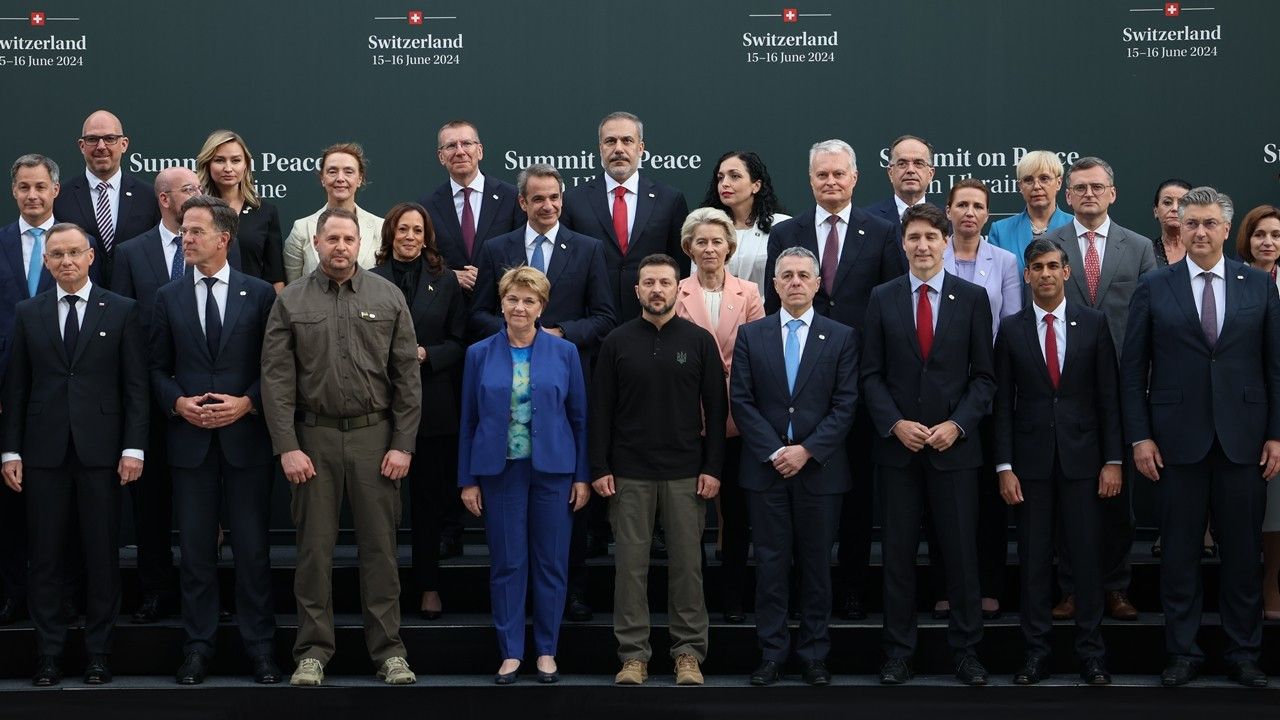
x=212 y=410
x=915 y=436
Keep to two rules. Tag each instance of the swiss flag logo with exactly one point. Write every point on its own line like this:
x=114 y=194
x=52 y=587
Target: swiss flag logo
x=415 y=17
x=790 y=15
x=1172 y=9
x=38 y=18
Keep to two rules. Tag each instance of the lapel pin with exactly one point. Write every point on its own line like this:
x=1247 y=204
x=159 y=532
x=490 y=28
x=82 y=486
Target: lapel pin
x=861 y=231
x=102 y=304
x=1073 y=323
x=1239 y=277
x=495 y=197
x=730 y=307
x=951 y=297
x=128 y=194
x=983 y=273
x=431 y=288
x=822 y=337
x=102 y=333
x=563 y=246
x=243 y=293
x=652 y=195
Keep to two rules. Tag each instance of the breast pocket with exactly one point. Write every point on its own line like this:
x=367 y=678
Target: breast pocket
x=374 y=327
x=311 y=333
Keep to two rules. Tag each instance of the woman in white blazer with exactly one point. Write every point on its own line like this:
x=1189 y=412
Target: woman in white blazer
x=342 y=174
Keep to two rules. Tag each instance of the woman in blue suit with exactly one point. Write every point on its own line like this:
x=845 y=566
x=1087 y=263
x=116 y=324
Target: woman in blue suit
x=1039 y=179
x=523 y=452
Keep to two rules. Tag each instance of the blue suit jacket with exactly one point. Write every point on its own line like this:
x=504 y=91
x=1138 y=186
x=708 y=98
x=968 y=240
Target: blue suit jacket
x=996 y=271
x=887 y=210
x=1014 y=232
x=138 y=211
x=500 y=213
x=559 y=409
x=182 y=367
x=1181 y=393
x=141 y=270
x=820 y=410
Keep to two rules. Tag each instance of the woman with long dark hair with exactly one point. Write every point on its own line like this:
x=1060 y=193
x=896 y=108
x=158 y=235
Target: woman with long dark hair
x=740 y=186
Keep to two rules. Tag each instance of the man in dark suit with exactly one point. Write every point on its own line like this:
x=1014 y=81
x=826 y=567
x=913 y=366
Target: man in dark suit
x=105 y=202
x=927 y=380
x=632 y=215
x=910 y=174
x=1200 y=383
x=793 y=392
x=470 y=208
x=1109 y=260
x=1057 y=448
x=75 y=397
x=206 y=353
x=856 y=252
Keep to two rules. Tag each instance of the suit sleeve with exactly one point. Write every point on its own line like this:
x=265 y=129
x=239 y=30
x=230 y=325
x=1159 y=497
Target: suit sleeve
x=1006 y=389
x=755 y=305
x=1135 y=365
x=1010 y=288
x=975 y=404
x=1147 y=260
x=485 y=316
x=881 y=406
x=679 y=211
x=122 y=275
x=135 y=381
x=273 y=248
x=1108 y=394
x=294 y=247
x=772 y=303
x=16 y=389
x=603 y=396
x=758 y=436
x=589 y=331
x=828 y=437
x=715 y=408
x=254 y=391
x=470 y=417
x=575 y=406
x=280 y=380
x=448 y=352
x=166 y=388
x=406 y=381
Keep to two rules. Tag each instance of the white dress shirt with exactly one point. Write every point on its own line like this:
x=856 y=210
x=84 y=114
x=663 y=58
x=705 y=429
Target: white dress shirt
x=530 y=235
x=113 y=195
x=821 y=228
x=29 y=241
x=166 y=243
x=477 y=186
x=1103 y=231
x=220 y=289
x=633 y=188
x=802 y=335
x=935 y=294
x=1219 y=289
x=902 y=205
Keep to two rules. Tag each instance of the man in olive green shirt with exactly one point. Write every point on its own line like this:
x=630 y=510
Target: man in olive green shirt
x=343 y=396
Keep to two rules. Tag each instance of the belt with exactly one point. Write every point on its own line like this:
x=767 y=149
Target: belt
x=311 y=419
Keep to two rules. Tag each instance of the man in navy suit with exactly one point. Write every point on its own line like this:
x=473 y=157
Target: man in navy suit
x=581 y=308
x=74 y=429
x=910 y=174
x=104 y=201
x=470 y=208
x=927 y=381
x=632 y=215
x=1200 y=383
x=1057 y=447
x=856 y=252
x=206 y=352
x=793 y=392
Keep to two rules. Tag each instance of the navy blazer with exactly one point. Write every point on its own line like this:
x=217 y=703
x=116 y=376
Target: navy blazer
x=887 y=210
x=439 y=322
x=820 y=410
x=1180 y=392
x=660 y=213
x=141 y=270
x=98 y=397
x=872 y=255
x=580 y=305
x=1079 y=421
x=500 y=213
x=956 y=383
x=137 y=213
x=182 y=367
x=559 y=429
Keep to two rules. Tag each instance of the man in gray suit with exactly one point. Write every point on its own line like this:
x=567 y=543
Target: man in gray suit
x=1111 y=259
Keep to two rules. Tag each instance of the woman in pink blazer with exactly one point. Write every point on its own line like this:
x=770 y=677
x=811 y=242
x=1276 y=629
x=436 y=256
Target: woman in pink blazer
x=720 y=302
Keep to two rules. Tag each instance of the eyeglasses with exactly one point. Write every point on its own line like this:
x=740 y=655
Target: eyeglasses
x=1044 y=180
x=1082 y=188
x=92 y=140
x=904 y=164
x=1208 y=225
x=190 y=189
x=59 y=255
x=457 y=145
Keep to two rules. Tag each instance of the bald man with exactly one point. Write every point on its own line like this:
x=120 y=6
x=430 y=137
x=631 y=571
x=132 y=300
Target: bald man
x=110 y=205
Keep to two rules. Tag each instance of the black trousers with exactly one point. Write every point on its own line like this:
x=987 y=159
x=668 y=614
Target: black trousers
x=1043 y=501
x=857 y=509
x=433 y=491
x=952 y=498
x=152 y=502
x=993 y=529
x=736 y=532
x=13 y=545
x=199 y=493
x=1117 y=538
x=1235 y=495
x=58 y=498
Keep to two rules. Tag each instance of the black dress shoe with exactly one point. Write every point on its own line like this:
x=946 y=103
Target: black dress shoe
x=1247 y=673
x=1034 y=669
x=450 y=548
x=735 y=617
x=265 y=670
x=970 y=671
x=851 y=608
x=430 y=614
x=549 y=678
x=769 y=672
x=508 y=678
x=576 y=609
x=97 y=672
x=11 y=611
x=194 y=669
x=1179 y=671
x=148 y=610
x=992 y=614
x=895 y=671
x=815 y=673
x=48 y=671
x=1095 y=672
x=941 y=613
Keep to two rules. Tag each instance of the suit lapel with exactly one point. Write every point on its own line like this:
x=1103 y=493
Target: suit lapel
x=11 y=248
x=813 y=346
x=191 y=312
x=1180 y=280
x=84 y=195
x=564 y=248
x=49 y=319
x=236 y=296
x=690 y=295
x=443 y=203
x=947 y=308
x=1234 y=279
x=1072 y=339
x=488 y=208
x=1117 y=247
x=985 y=262
x=645 y=200
x=1031 y=333
x=902 y=300
x=599 y=204
x=513 y=253
x=854 y=244
x=155 y=258
x=1071 y=244
x=124 y=206
x=423 y=296
x=93 y=312
x=777 y=364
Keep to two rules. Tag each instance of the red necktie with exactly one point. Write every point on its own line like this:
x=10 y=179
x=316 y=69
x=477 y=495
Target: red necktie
x=620 y=217
x=830 y=256
x=924 y=322
x=1051 y=350
x=1092 y=266
x=468 y=222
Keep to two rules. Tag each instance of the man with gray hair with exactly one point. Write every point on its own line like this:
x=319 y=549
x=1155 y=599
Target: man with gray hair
x=794 y=465
x=1200 y=394
x=910 y=166
x=856 y=252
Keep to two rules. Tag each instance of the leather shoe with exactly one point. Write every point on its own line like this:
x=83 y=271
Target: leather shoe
x=194 y=669
x=851 y=608
x=970 y=671
x=97 y=672
x=1095 y=672
x=148 y=610
x=450 y=548
x=769 y=672
x=1179 y=671
x=733 y=612
x=1065 y=610
x=658 y=545
x=1247 y=673
x=576 y=609
x=48 y=671
x=265 y=670
x=1119 y=607
x=12 y=610
x=895 y=671
x=815 y=673
x=1034 y=669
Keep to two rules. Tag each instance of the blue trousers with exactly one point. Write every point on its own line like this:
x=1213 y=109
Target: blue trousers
x=528 y=521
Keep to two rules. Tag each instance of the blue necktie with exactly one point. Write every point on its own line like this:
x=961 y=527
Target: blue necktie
x=791 y=356
x=37 y=261
x=539 y=261
x=179 y=262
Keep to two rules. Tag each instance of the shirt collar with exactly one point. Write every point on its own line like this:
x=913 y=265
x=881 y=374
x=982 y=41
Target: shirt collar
x=902 y=205
x=223 y=275
x=476 y=183
x=821 y=215
x=167 y=237
x=325 y=282
x=1103 y=231
x=784 y=316
x=934 y=283
x=530 y=234
x=1219 y=269
x=83 y=293
x=24 y=226
x=632 y=184
x=1059 y=312
x=94 y=179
